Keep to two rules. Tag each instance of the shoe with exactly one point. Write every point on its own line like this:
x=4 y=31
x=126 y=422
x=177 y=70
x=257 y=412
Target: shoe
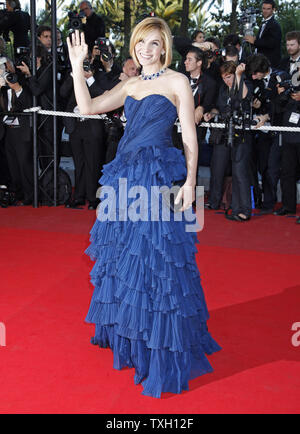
x=209 y=206
x=75 y=204
x=242 y=218
x=265 y=211
x=26 y=202
x=233 y=217
x=298 y=221
x=93 y=205
x=283 y=211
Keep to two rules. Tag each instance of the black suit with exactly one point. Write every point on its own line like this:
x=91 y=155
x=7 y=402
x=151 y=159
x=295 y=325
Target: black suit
x=236 y=157
x=93 y=29
x=269 y=43
x=290 y=153
x=19 y=23
x=87 y=144
x=41 y=87
x=18 y=146
x=205 y=97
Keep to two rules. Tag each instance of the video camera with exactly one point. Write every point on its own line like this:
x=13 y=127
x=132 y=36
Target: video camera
x=238 y=114
x=75 y=21
x=247 y=20
x=284 y=80
x=103 y=46
x=23 y=55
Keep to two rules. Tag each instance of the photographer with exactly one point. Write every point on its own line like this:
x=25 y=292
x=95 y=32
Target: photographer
x=266 y=151
x=182 y=45
x=18 y=144
x=289 y=99
x=44 y=36
x=231 y=54
x=268 y=40
x=87 y=141
x=107 y=71
x=204 y=90
x=231 y=147
x=18 y=22
x=289 y=64
x=41 y=87
x=94 y=27
x=6 y=65
x=233 y=40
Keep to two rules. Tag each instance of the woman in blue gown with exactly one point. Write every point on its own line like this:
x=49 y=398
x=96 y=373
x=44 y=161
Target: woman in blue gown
x=148 y=305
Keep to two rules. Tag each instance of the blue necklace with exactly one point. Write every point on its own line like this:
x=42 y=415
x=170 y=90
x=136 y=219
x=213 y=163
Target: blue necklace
x=152 y=76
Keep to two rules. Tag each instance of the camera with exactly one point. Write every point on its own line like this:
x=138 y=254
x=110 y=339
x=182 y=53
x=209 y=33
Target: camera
x=75 y=21
x=103 y=46
x=87 y=66
x=23 y=55
x=11 y=77
x=248 y=20
x=284 y=80
x=259 y=94
x=214 y=53
x=3 y=9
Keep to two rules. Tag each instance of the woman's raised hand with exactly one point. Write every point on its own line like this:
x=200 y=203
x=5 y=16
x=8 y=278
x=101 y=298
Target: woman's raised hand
x=78 y=49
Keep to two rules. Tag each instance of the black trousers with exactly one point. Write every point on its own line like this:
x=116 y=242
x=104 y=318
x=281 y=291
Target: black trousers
x=4 y=169
x=267 y=154
x=289 y=172
x=19 y=155
x=45 y=142
x=177 y=141
x=238 y=157
x=88 y=153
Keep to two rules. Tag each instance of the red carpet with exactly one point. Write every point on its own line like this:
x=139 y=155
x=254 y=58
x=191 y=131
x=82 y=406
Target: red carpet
x=252 y=285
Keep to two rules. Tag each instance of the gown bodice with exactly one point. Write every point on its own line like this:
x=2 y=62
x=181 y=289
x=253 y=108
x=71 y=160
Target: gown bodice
x=149 y=121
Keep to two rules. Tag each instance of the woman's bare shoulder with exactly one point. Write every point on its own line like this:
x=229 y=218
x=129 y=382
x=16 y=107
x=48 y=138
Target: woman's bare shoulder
x=177 y=78
x=130 y=84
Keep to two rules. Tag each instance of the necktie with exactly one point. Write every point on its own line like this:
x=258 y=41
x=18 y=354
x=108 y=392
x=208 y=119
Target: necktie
x=193 y=82
x=263 y=25
x=13 y=99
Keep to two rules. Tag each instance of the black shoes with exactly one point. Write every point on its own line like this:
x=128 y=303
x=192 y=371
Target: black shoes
x=75 y=204
x=264 y=211
x=94 y=204
x=26 y=202
x=237 y=217
x=283 y=211
x=78 y=204
x=209 y=206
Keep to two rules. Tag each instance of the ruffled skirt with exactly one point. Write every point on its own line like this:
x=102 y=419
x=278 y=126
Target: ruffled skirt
x=148 y=305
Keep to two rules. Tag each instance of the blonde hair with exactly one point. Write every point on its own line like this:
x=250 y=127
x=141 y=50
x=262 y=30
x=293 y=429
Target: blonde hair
x=143 y=29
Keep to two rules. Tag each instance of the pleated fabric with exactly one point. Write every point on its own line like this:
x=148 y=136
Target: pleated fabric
x=148 y=305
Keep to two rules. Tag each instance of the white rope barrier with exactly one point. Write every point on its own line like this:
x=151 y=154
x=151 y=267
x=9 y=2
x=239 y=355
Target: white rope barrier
x=64 y=114
x=203 y=124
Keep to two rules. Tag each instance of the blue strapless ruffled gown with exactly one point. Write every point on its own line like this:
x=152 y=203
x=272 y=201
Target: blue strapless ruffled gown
x=148 y=305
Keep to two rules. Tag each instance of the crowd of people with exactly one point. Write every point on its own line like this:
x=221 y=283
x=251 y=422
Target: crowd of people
x=241 y=81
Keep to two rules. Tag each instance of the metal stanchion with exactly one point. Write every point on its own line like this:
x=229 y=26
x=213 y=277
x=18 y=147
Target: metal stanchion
x=34 y=102
x=54 y=78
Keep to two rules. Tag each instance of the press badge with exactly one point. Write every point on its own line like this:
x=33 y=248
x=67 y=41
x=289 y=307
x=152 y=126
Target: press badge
x=294 y=118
